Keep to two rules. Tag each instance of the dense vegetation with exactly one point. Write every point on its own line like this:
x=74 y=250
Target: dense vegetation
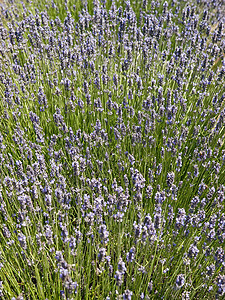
x=112 y=155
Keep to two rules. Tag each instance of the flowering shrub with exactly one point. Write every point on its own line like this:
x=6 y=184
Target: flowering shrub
x=112 y=155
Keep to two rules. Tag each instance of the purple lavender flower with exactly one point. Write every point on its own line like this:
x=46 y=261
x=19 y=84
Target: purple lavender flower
x=130 y=255
x=180 y=281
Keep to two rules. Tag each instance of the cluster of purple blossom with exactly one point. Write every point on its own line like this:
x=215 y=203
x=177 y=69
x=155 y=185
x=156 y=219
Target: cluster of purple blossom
x=112 y=155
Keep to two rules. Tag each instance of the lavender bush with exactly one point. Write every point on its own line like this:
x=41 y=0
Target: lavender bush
x=112 y=155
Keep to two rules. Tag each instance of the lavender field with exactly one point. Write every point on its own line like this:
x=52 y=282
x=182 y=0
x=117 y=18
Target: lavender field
x=112 y=154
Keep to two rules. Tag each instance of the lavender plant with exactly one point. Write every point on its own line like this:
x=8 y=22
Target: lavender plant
x=112 y=155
